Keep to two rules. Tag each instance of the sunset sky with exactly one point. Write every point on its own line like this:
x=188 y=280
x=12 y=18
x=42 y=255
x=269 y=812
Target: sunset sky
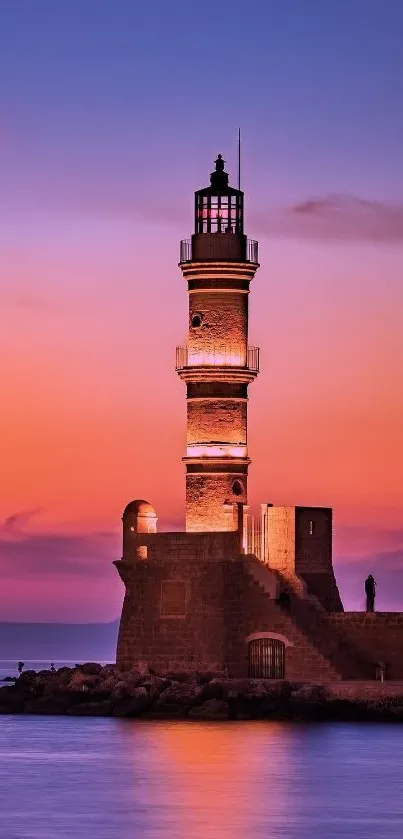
x=111 y=114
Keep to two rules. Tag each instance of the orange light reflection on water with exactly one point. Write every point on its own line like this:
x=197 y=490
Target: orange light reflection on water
x=218 y=777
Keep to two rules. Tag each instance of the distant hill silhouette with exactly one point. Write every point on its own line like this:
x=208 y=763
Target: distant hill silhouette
x=59 y=641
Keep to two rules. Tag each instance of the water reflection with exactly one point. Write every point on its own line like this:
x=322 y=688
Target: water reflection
x=125 y=779
x=218 y=780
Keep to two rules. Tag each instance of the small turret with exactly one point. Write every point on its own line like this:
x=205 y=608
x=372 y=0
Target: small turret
x=140 y=517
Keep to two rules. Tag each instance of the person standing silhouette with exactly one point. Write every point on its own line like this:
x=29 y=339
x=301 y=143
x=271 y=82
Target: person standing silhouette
x=370 y=591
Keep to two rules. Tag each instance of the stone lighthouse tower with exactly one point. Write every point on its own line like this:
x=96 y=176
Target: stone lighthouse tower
x=217 y=364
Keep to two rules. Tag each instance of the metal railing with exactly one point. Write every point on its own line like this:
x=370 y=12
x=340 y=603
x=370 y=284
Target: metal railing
x=185 y=251
x=223 y=355
x=252 y=251
x=255 y=536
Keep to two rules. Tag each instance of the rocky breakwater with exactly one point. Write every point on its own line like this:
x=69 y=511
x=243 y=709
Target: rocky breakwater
x=93 y=690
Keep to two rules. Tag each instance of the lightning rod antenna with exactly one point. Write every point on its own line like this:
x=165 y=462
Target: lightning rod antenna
x=239 y=158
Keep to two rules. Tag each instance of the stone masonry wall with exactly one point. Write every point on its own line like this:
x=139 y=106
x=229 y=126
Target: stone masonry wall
x=224 y=322
x=192 y=565
x=313 y=540
x=194 y=548
x=193 y=640
x=376 y=636
x=281 y=540
x=206 y=495
x=217 y=604
x=300 y=548
x=218 y=420
x=249 y=609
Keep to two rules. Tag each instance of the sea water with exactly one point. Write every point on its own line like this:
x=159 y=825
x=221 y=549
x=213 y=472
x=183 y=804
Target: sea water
x=69 y=778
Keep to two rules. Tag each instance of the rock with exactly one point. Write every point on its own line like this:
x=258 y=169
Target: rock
x=90 y=668
x=27 y=675
x=81 y=681
x=155 y=686
x=91 y=709
x=125 y=688
x=310 y=702
x=109 y=683
x=11 y=700
x=47 y=705
x=310 y=693
x=166 y=712
x=133 y=707
x=205 y=676
x=180 y=676
x=215 y=689
x=180 y=693
x=213 y=709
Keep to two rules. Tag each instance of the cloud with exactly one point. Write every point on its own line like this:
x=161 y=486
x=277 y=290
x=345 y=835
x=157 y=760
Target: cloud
x=31 y=301
x=17 y=521
x=25 y=555
x=337 y=218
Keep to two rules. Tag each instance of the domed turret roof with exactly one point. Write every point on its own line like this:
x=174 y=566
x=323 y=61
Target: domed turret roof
x=139 y=507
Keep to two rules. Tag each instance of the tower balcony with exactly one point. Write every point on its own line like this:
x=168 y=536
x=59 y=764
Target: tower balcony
x=225 y=362
x=218 y=247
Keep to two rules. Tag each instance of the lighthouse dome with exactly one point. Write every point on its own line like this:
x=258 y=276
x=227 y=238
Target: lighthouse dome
x=141 y=516
x=139 y=507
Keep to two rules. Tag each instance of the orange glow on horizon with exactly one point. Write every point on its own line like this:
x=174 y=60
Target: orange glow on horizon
x=93 y=413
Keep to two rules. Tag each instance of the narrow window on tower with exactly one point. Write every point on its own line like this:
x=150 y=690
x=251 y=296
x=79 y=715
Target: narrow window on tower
x=237 y=488
x=196 y=320
x=311 y=527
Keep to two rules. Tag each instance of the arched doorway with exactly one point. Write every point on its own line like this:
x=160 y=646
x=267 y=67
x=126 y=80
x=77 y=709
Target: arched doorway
x=266 y=658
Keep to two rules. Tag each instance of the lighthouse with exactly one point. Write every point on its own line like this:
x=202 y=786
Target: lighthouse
x=217 y=365
x=230 y=592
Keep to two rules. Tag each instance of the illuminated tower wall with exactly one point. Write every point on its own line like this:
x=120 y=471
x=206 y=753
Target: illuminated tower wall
x=217 y=364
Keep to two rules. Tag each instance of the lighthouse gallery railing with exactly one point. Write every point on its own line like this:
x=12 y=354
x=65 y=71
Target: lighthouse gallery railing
x=251 y=251
x=218 y=356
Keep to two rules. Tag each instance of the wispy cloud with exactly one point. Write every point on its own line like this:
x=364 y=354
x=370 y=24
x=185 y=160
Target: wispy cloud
x=342 y=218
x=25 y=554
x=17 y=521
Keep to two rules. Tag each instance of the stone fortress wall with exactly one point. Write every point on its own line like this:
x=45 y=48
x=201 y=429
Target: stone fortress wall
x=194 y=601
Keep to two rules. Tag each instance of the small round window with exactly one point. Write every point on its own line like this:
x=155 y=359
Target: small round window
x=237 y=488
x=196 y=321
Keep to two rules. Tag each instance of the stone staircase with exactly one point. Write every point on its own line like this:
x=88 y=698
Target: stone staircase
x=312 y=621
x=304 y=622
x=263 y=614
